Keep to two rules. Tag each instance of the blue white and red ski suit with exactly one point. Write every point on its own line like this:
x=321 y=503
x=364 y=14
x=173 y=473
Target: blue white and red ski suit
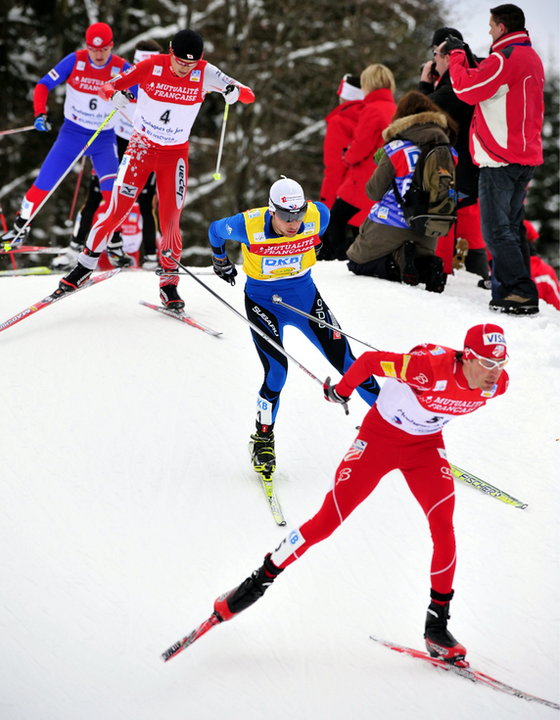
x=84 y=112
x=282 y=265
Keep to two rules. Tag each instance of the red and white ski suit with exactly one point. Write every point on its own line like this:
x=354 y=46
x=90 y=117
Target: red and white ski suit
x=425 y=389
x=165 y=112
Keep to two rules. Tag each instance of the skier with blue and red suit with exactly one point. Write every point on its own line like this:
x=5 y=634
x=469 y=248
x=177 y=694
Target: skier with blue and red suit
x=424 y=389
x=278 y=243
x=84 y=72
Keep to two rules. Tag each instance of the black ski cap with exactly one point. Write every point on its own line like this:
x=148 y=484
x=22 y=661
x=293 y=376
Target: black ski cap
x=188 y=45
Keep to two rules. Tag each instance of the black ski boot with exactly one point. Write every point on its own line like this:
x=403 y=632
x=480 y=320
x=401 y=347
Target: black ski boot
x=75 y=278
x=262 y=452
x=170 y=297
x=250 y=590
x=440 y=642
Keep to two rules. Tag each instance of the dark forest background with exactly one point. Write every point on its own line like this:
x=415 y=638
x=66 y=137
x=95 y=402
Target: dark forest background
x=292 y=54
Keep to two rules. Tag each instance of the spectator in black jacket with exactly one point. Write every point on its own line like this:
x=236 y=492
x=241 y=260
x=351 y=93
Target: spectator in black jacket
x=466 y=236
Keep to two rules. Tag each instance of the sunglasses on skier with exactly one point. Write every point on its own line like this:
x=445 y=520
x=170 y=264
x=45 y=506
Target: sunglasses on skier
x=488 y=363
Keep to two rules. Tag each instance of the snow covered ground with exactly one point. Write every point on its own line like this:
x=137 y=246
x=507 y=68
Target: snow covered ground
x=128 y=505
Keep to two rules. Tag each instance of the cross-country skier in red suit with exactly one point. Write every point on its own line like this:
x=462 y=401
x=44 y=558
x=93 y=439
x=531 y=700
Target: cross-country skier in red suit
x=172 y=88
x=84 y=72
x=425 y=388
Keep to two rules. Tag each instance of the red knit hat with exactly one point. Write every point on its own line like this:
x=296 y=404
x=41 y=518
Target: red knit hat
x=487 y=341
x=99 y=35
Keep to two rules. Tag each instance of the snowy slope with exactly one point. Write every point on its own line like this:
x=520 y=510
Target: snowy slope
x=128 y=505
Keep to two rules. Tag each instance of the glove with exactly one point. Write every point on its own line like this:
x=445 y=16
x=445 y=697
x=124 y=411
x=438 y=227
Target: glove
x=225 y=269
x=41 y=123
x=231 y=94
x=453 y=43
x=121 y=98
x=331 y=395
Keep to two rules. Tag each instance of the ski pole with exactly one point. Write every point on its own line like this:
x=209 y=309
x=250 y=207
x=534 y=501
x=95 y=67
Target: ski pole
x=255 y=328
x=217 y=175
x=60 y=179
x=76 y=190
x=278 y=300
x=17 y=130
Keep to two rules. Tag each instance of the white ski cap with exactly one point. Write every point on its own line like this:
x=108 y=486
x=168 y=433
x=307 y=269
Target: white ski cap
x=287 y=198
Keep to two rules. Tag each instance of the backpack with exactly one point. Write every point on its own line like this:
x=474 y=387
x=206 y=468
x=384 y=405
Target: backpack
x=430 y=203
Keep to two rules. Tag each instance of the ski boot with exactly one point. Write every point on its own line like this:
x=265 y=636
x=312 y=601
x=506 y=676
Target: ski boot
x=263 y=456
x=235 y=601
x=116 y=254
x=171 y=299
x=440 y=643
x=16 y=236
x=74 y=279
x=150 y=262
x=68 y=259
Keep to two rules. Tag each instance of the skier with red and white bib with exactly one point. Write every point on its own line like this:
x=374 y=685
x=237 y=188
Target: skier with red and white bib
x=424 y=389
x=172 y=88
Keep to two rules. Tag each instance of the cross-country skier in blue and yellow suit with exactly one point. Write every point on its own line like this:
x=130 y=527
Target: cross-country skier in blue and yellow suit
x=278 y=244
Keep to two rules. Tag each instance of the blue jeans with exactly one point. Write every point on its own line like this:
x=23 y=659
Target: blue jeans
x=502 y=191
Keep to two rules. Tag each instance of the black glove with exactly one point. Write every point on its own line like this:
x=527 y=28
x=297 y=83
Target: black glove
x=331 y=395
x=225 y=269
x=453 y=43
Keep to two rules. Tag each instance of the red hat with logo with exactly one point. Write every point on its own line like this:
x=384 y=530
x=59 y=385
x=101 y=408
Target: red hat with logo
x=486 y=341
x=99 y=35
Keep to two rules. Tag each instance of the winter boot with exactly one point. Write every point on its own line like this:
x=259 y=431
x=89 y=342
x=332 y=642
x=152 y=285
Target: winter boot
x=515 y=305
x=67 y=259
x=262 y=452
x=440 y=642
x=250 y=590
x=435 y=276
x=74 y=279
x=16 y=236
x=409 y=271
x=170 y=298
x=116 y=254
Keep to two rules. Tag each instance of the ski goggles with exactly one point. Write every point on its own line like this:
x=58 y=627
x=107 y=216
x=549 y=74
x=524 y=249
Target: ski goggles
x=288 y=215
x=489 y=363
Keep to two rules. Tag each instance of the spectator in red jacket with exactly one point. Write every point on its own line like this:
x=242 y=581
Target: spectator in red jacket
x=507 y=91
x=341 y=122
x=352 y=204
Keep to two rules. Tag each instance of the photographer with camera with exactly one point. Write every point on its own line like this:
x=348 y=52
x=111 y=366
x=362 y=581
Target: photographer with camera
x=435 y=82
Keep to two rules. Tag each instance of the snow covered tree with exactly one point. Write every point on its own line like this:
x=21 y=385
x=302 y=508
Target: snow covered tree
x=292 y=54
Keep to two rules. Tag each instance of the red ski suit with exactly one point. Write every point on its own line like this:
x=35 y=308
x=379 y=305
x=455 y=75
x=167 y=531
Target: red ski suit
x=426 y=388
x=165 y=112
